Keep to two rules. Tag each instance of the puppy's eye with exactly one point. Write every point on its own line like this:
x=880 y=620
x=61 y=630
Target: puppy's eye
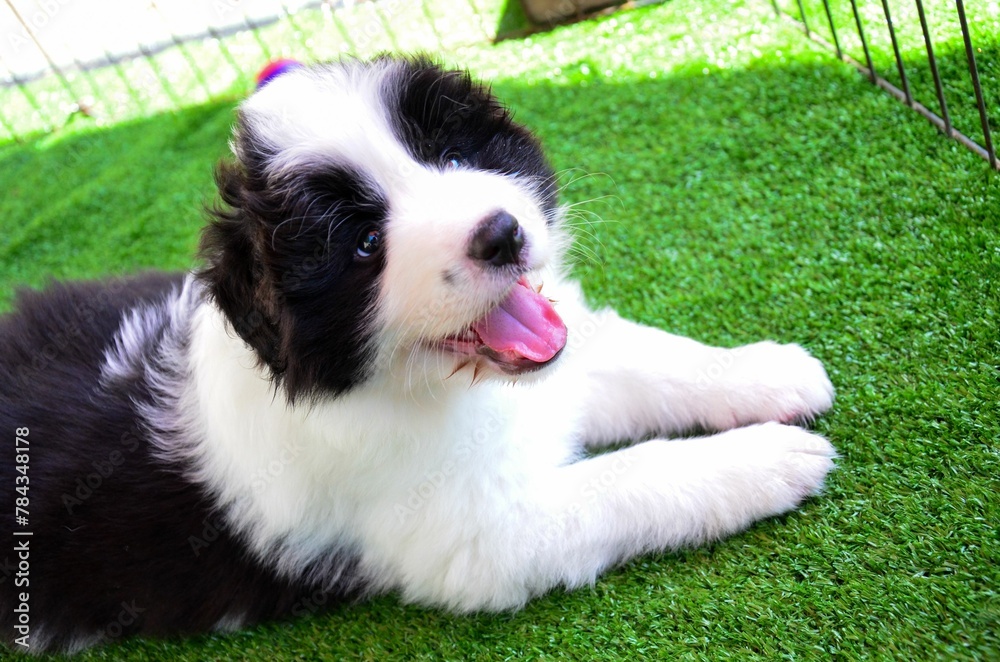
x=369 y=243
x=453 y=160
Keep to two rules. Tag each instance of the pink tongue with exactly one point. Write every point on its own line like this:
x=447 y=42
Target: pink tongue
x=525 y=325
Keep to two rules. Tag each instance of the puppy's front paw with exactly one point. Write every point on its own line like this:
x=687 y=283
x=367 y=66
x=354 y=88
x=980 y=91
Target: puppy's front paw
x=772 y=382
x=785 y=465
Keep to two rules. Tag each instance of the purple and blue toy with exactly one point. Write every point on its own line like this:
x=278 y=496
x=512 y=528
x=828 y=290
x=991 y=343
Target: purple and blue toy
x=275 y=69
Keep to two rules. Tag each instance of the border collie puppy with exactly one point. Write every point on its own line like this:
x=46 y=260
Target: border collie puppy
x=380 y=379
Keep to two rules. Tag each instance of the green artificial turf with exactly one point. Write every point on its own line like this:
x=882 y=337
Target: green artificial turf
x=731 y=182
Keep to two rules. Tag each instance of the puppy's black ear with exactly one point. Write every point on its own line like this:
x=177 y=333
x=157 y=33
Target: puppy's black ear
x=233 y=273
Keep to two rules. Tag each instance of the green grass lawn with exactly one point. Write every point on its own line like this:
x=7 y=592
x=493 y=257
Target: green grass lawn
x=733 y=182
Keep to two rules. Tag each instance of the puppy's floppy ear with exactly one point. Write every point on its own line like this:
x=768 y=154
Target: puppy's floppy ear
x=233 y=273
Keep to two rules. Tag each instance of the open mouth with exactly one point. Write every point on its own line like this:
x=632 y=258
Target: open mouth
x=522 y=333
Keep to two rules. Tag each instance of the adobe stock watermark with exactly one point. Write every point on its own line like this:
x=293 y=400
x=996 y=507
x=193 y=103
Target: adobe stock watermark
x=361 y=38
x=103 y=468
x=36 y=21
x=85 y=315
x=214 y=527
x=298 y=276
x=375 y=28
x=593 y=490
x=420 y=494
x=127 y=616
x=717 y=368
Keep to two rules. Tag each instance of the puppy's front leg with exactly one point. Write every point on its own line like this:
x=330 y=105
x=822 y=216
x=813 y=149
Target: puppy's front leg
x=511 y=539
x=661 y=495
x=637 y=381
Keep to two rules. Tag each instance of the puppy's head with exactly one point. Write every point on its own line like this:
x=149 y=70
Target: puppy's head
x=384 y=216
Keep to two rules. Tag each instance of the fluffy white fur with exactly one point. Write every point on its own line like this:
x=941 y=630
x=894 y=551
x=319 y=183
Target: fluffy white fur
x=480 y=498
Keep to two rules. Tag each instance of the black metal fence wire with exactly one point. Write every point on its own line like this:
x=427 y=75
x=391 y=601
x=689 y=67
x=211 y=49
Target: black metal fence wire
x=947 y=80
x=176 y=60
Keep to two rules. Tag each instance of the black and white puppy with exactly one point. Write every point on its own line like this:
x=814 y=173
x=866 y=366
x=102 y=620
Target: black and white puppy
x=380 y=380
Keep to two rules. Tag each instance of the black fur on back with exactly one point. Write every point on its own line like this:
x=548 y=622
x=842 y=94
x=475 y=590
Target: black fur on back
x=122 y=542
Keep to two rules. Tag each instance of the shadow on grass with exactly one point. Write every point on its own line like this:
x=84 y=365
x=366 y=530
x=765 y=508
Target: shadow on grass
x=86 y=202
x=745 y=201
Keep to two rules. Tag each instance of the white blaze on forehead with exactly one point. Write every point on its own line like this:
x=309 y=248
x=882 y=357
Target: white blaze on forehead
x=330 y=115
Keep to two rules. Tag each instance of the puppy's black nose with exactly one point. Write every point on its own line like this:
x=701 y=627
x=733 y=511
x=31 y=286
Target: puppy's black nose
x=497 y=241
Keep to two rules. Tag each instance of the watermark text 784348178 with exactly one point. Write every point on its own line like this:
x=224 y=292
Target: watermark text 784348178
x=22 y=454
